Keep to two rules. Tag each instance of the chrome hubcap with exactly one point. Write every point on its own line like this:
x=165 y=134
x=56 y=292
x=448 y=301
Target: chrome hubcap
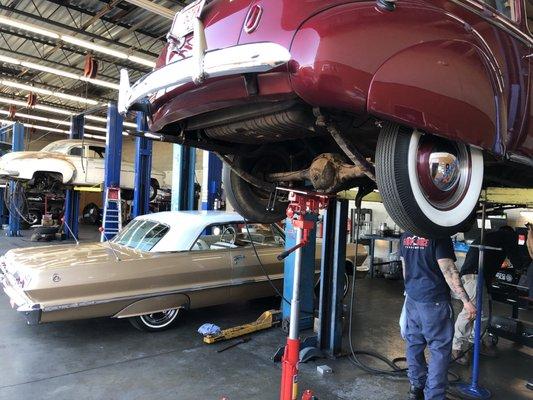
x=444 y=170
x=159 y=318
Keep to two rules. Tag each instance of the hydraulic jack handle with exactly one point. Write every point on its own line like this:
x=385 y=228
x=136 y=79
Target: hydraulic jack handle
x=283 y=255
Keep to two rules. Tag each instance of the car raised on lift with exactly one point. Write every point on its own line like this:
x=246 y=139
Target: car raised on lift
x=427 y=100
x=69 y=162
x=158 y=266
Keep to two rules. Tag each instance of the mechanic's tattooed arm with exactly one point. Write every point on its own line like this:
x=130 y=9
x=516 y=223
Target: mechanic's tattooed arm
x=451 y=274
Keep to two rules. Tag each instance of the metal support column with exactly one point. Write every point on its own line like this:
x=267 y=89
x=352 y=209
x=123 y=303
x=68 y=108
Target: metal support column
x=113 y=158
x=143 y=169
x=72 y=197
x=211 y=182
x=307 y=277
x=183 y=165
x=473 y=390
x=333 y=267
x=14 y=217
x=5 y=147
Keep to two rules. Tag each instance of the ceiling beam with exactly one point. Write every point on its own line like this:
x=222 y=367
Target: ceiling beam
x=51 y=88
x=21 y=34
x=108 y=19
x=45 y=69
x=28 y=57
x=77 y=30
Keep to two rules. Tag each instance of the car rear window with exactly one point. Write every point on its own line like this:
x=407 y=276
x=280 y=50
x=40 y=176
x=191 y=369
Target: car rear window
x=141 y=234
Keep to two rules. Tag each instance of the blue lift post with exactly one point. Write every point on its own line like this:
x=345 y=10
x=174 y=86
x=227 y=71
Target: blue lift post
x=183 y=165
x=143 y=169
x=332 y=268
x=473 y=390
x=212 y=180
x=17 y=145
x=5 y=146
x=307 y=278
x=113 y=158
x=72 y=197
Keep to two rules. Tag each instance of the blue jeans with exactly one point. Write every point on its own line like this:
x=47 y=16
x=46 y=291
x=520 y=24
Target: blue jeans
x=431 y=325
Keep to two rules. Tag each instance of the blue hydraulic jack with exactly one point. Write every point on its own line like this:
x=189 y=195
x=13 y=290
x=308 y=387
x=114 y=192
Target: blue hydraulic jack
x=472 y=390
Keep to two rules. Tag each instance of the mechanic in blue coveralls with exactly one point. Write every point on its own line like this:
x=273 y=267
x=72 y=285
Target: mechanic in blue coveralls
x=430 y=272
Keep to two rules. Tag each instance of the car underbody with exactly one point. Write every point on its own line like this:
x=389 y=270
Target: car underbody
x=320 y=149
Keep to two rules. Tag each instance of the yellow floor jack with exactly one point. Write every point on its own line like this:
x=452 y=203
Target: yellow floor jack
x=267 y=320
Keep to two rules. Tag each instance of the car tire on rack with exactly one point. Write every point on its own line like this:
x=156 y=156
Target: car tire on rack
x=430 y=186
x=154 y=187
x=157 y=322
x=249 y=201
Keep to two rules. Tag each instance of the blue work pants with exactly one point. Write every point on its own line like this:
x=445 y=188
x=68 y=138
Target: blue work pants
x=429 y=325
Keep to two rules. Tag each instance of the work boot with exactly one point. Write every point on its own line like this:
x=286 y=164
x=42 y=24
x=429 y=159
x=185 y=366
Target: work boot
x=415 y=393
x=460 y=357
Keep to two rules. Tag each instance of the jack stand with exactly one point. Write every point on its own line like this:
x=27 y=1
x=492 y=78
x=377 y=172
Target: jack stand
x=472 y=390
x=300 y=203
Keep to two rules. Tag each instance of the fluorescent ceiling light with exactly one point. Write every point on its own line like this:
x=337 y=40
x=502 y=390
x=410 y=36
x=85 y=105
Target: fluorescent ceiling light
x=55 y=110
x=59 y=72
x=48 y=129
x=54 y=121
x=39 y=127
x=27 y=27
x=47 y=92
x=75 y=41
x=142 y=61
x=93 y=46
x=97 y=137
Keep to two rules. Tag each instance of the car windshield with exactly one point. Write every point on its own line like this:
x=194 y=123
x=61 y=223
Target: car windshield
x=57 y=147
x=141 y=234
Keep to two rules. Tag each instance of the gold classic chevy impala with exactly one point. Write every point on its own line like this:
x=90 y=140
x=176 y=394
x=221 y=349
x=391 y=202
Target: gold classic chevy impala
x=159 y=265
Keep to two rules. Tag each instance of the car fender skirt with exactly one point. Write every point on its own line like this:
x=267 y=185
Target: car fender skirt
x=154 y=304
x=441 y=92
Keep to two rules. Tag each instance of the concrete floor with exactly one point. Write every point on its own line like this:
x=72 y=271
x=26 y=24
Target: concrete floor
x=109 y=359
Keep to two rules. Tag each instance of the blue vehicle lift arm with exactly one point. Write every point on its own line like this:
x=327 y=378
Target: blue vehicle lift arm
x=143 y=169
x=14 y=217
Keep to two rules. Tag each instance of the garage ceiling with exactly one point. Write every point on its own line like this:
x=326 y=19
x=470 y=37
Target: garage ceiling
x=44 y=43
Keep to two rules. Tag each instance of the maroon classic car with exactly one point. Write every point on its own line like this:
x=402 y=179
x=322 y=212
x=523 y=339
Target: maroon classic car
x=429 y=100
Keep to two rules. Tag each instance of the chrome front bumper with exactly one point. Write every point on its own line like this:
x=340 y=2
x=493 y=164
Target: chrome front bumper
x=203 y=64
x=18 y=300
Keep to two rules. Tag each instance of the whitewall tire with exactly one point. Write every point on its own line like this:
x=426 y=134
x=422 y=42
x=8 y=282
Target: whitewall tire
x=430 y=186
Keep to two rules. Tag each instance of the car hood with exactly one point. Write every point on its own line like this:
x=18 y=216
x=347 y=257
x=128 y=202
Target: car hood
x=67 y=256
x=21 y=155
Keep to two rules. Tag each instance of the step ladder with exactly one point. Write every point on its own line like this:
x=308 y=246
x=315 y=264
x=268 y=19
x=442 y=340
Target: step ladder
x=112 y=218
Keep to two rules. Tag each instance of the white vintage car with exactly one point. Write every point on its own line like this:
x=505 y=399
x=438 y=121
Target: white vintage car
x=68 y=162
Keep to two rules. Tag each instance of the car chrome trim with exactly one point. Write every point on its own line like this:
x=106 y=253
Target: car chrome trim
x=181 y=291
x=30 y=310
x=251 y=22
x=500 y=22
x=234 y=60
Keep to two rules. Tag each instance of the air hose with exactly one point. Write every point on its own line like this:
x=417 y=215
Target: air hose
x=394 y=369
